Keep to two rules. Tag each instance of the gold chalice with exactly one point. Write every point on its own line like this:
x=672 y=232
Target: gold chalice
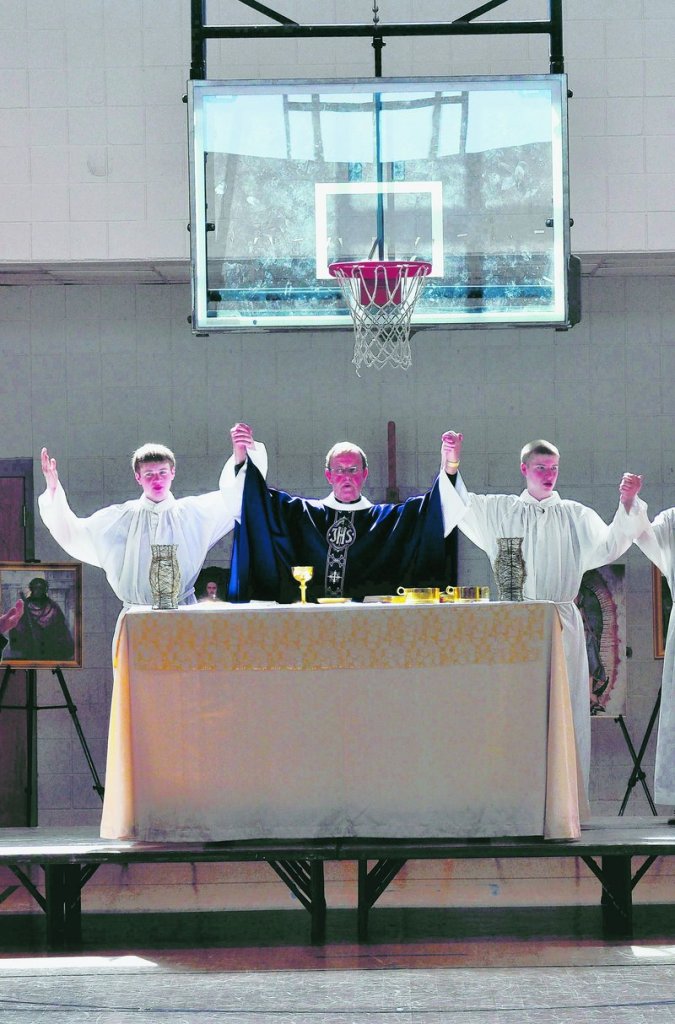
x=303 y=574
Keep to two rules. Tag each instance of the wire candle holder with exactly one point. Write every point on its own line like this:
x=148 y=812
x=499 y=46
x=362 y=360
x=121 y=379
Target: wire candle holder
x=164 y=576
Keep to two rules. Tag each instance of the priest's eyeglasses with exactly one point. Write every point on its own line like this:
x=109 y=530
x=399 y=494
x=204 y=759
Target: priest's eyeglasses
x=346 y=470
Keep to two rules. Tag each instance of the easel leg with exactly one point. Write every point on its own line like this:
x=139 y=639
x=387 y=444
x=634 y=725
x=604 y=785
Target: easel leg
x=30 y=707
x=637 y=774
x=72 y=710
x=31 y=747
x=5 y=680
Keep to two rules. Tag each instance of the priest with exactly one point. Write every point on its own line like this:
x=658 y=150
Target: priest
x=355 y=547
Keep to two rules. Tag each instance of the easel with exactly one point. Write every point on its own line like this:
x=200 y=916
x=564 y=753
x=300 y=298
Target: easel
x=32 y=707
x=637 y=774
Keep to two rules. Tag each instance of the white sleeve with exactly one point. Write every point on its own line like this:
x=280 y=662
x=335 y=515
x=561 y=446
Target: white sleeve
x=72 y=533
x=476 y=515
x=232 y=483
x=657 y=541
x=631 y=524
x=452 y=507
x=602 y=544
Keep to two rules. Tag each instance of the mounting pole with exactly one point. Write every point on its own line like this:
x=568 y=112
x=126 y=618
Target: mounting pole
x=198 y=19
x=556 y=58
x=378 y=43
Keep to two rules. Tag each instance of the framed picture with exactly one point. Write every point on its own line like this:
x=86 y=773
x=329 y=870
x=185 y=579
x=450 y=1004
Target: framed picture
x=48 y=632
x=662 y=603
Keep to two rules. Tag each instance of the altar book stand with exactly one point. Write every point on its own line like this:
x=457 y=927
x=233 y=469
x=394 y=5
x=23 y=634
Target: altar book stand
x=32 y=707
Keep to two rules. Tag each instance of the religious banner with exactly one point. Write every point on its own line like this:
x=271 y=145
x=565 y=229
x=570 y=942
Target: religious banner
x=602 y=603
x=41 y=614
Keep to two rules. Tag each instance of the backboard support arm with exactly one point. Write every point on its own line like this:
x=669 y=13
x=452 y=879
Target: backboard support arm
x=284 y=28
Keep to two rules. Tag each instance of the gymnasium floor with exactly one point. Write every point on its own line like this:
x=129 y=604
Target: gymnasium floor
x=442 y=967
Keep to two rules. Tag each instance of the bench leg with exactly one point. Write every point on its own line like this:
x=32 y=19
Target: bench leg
x=305 y=879
x=617 y=897
x=318 y=901
x=363 y=904
x=371 y=885
x=63 y=905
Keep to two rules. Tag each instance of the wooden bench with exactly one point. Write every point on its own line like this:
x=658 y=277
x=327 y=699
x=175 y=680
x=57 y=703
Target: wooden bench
x=69 y=858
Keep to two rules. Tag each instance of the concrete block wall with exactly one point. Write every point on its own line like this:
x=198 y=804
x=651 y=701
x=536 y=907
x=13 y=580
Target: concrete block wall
x=93 y=149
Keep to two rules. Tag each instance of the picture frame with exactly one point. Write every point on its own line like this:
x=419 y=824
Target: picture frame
x=662 y=603
x=49 y=633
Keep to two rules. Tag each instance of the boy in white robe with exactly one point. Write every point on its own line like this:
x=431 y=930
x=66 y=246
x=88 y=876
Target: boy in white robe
x=118 y=538
x=562 y=539
x=658 y=544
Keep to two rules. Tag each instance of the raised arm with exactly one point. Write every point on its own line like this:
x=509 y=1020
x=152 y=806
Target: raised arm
x=657 y=541
x=453 y=506
x=50 y=471
x=242 y=440
x=72 y=533
x=231 y=483
x=244 y=446
x=629 y=488
x=603 y=543
x=451 y=451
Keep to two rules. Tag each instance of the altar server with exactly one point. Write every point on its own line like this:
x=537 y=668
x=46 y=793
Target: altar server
x=118 y=538
x=658 y=543
x=562 y=539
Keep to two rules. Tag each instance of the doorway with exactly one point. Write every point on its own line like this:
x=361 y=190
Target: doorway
x=17 y=544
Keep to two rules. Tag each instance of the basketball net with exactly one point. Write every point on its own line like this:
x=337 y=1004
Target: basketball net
x=381 y=295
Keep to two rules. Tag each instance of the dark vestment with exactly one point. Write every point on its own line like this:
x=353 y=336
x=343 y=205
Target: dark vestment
x=353 y=552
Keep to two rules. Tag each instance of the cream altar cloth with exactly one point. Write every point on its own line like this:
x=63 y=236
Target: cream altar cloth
x=253 y=722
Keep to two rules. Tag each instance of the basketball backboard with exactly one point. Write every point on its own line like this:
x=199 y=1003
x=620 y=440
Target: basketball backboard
x=467 y=174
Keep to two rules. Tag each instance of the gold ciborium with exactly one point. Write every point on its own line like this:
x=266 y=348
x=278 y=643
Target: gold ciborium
x=419 y=595
x=303 y=574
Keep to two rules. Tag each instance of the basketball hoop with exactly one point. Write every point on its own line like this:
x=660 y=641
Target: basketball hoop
x=381 y=295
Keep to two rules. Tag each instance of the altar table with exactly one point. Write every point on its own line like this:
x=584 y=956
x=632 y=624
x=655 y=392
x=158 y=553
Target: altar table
x=369 y=720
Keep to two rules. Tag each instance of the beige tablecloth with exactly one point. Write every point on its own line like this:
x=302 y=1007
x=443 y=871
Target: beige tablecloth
x=245 y=721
